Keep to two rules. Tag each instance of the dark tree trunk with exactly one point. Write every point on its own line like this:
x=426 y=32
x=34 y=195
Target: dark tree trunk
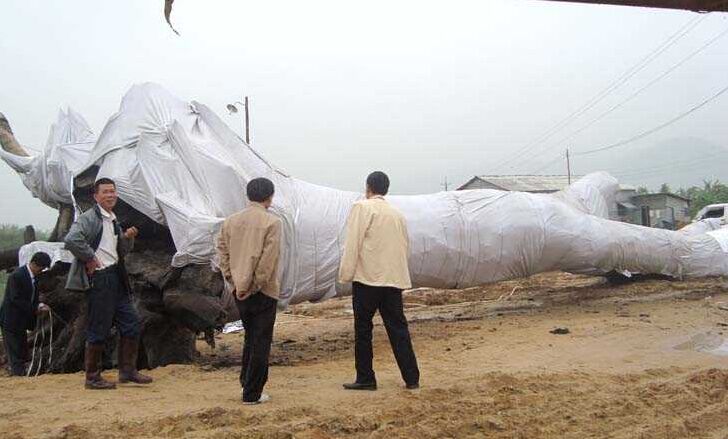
x=174 y=304
x=29 y=234
x=9 y=258
x=63 y=223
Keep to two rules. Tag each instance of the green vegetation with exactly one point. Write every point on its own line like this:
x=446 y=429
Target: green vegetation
x=712 y=192
x=3 y=281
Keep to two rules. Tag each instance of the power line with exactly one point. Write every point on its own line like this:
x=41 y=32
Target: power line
x=649 y=171
x=635 y=94
x=655 y=174
x=669 y=42
x=657 y=128
x=556 y=159
x=667 y=167
x=700 y=161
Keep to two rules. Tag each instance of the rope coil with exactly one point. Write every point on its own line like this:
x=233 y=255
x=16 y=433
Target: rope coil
x=39 y=348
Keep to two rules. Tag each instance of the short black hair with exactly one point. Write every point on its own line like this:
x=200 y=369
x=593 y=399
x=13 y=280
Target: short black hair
x=103 y=180
x=260 y=189
x=378 y=183
x=41 y=259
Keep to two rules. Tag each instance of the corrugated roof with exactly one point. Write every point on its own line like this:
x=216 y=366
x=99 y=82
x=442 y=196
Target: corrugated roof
x=529 y=183
x=666 y=194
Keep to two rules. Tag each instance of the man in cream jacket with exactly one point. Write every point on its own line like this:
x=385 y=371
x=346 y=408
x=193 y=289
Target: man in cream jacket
x=375 y=261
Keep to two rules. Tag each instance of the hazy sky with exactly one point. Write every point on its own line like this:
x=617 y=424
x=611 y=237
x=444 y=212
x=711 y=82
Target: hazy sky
x=420 y=89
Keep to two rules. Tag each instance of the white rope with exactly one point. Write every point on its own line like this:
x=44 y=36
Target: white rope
x=32 y=359
x=39 y=348
x=503 y=296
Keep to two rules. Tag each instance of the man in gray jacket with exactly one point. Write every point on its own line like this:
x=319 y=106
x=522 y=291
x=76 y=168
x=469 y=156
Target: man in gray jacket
x=99 y=245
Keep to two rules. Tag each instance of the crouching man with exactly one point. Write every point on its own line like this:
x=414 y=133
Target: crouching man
x=99 y=246
x=20 y=307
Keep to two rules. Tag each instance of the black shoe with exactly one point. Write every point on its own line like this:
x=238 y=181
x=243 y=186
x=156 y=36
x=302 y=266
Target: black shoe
x=360 y=386
x=412 y=386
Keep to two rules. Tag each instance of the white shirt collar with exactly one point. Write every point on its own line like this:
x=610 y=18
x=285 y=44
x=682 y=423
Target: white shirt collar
x=105 y=214
x=32 y=276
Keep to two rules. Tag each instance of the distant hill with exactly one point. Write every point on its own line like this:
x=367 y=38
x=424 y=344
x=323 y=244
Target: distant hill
x=680 y=162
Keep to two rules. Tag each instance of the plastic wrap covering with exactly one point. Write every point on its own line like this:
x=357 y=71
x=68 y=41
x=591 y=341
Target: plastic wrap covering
x=49 y=175
x=593 y=194
x=54 y=249
x=702 y=226
x=177 y=163
x=180 y=165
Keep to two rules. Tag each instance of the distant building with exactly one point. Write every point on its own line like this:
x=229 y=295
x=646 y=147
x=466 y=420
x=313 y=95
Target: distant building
x=537 y=184
x=663 y=210
x=624 y=209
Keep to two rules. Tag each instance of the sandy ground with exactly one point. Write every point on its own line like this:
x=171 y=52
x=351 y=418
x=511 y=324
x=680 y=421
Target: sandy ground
x=635 y=364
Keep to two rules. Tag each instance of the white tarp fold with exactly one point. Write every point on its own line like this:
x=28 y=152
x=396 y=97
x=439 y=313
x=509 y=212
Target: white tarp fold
x=49 y=175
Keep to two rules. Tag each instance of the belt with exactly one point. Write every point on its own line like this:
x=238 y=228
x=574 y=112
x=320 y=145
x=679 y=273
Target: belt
x=107 y=270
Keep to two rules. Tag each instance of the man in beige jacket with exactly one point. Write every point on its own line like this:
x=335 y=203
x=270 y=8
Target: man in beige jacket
x=249 y=249
x=375 y=260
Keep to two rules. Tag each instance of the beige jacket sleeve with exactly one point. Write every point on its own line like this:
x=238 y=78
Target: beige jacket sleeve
x=406 y=236
x=266 y=270
x=223 y=251
x=356 y=228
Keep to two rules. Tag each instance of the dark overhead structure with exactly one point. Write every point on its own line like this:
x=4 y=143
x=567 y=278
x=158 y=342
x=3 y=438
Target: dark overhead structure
x=689 y=5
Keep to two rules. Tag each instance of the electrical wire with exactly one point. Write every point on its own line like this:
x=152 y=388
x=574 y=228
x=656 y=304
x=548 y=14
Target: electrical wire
x=649 y=171
x=674 y=67
x=669 y=42
x=657 y=128
x=556 y=159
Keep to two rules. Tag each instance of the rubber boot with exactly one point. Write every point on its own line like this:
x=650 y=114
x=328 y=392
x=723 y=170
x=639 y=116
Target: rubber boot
x=94 y=380
x=128 y=350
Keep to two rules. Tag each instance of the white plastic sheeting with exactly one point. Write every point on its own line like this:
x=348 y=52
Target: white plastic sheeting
x=49 y=175
x=54 y=249
x=179 y=164
x=720 y=235
x=702 y=226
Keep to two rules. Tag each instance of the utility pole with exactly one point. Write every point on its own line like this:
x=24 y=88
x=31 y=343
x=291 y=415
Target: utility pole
x=247 y=122
x=445 y=184
x=233 y=108
x=568 y=165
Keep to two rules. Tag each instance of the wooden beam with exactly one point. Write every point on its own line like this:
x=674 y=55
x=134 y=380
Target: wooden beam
x=689 y=5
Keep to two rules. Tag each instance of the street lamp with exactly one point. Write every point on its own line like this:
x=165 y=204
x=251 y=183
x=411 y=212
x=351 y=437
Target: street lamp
x=233 y=108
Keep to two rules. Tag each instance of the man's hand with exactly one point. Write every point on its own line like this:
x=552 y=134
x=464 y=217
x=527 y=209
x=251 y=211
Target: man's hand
x=131 y=232
x=92 y=265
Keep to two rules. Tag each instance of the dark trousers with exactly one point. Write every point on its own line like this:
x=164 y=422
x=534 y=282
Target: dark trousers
x=109 y=303
x=258 y=313
x=388 y=301
x=16 y=351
